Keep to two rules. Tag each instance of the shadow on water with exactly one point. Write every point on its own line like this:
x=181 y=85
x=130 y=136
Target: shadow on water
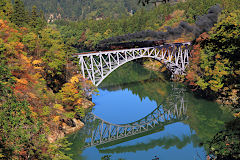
x=165 y=142
x=201 y=121
x=225 y=145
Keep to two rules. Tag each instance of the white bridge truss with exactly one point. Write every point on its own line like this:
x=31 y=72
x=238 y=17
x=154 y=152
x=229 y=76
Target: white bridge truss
x=96 y=66
x=101 y=131
x=105 y=132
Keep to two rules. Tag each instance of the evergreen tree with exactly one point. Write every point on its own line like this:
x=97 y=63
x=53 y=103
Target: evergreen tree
x=6 y=8
x=20 y=16
x=144 y=2
x=42 y=15
x=37 y=20
x=43 y=21
x=34 y=17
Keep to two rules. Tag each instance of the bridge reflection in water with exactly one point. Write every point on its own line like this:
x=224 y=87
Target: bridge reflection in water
x=102 y=132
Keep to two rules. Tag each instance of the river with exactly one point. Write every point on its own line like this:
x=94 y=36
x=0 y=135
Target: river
x=134 y=95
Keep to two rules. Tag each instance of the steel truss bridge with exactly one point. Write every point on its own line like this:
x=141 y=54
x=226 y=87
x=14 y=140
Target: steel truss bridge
x=96 y=66
x=101 y=132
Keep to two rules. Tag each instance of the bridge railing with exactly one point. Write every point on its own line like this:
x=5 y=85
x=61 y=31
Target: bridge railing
x=102 y=131
x=98 y=65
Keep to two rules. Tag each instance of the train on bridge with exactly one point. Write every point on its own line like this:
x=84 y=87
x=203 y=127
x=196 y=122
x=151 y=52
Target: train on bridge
x=128 y=45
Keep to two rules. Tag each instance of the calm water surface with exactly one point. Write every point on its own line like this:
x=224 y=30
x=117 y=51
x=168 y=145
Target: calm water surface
x=131 y=93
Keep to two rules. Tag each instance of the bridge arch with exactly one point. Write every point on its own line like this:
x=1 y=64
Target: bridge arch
x=105 y=76
x=103 y=132
x=96 y=66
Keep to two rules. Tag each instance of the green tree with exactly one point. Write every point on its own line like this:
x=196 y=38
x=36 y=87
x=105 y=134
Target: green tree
x=43 y=21
x=217 y=64
x=34 y=17
x=225 y=144
x=6 y=78
x=144 y=2
x=54 y=56
x=31 y=43
x=20 y=16
x=37 y=20
x=17 y=129
x=6 y=8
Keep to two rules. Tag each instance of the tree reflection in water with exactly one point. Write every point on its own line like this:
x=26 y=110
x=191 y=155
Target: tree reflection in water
x=225 y=145
x=205 y=119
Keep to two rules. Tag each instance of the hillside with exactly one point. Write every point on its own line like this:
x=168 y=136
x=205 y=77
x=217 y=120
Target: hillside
x=43 y=97
x=81 y=9
x=86 y=34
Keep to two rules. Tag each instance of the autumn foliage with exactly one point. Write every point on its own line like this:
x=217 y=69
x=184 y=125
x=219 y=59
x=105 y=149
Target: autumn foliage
x=35 y=98
x=214 y=66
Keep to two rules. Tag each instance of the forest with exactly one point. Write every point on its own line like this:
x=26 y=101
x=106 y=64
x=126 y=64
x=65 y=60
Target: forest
x=42 y=96
x=79 y=9
x=204 y=74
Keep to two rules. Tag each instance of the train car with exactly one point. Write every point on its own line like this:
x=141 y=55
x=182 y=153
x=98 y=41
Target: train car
x=128 y=45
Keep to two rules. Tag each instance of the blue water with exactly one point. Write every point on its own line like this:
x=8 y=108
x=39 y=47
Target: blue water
x=188 y=152
x=126 y=97
x=120 y=106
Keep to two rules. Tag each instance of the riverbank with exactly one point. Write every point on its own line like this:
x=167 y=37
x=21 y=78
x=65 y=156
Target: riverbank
x=42 y=97
x=134 y=89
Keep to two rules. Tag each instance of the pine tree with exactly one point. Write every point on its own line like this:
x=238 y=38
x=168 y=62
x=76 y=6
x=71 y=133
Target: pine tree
x=20 y=16
x=6 y=8
x=144 y=2
x=37 y=20
x=42 y=20
x=34 y=17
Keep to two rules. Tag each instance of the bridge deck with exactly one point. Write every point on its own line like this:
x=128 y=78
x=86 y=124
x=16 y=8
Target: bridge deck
x=119 y=50
x=96 y=66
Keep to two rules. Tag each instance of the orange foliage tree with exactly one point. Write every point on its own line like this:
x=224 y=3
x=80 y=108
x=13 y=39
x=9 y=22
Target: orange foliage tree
x=215 y=66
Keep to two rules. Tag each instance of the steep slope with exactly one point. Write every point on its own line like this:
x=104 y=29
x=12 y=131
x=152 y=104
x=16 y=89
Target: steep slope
x=81 y=9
